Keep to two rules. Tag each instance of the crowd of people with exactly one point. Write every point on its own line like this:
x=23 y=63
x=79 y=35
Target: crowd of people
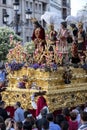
x=68 y=119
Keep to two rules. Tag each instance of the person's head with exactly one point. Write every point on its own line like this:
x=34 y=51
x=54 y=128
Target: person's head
x=18 y=125
x=72 y=25
x=27 y=125
x=2 y=104
x=79 y=109
x=85 y=104
x=84 y=116
x=73 y=115
x=26 y=113
x=64 y=24
x=66 y=111
x=76 y=111
x=59 y=119
x=17 y=105
x=80 y=25
x=50 y=117
x=2 y=124
x=64 y=125
x=30 y=119
x=51 y=27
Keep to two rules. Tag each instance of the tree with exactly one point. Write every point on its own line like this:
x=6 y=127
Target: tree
x=5 y=33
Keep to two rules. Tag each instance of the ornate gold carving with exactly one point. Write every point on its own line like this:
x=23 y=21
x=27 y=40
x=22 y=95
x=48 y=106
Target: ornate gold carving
x=58 y=93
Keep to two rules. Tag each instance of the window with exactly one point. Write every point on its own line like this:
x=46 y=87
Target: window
x=39 y=7
x=30 y=5
x=17 y=1
x=26 y=4
x=3 y=1
x=27 y=39
x=3 y=12
x=36 y=6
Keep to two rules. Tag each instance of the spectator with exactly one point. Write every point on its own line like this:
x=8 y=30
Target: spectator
x=3 y=112
x=9 y=124
x=26 y=113
x=85 y=109
x=19 y=113
x=29 y=118
x=59 y=119
x=45 y=125
x=42 y=123
x=66 y=113
x=64 y=125
x=2 y=124
x=18 y=125
x=83 y=121
x=52 y=125
x=73 y=124
x=27 y=126
x=78 y=118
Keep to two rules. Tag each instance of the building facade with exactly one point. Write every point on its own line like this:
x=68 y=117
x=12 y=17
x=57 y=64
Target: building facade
x=38 y=7
x=66 y=8
x=55 y=6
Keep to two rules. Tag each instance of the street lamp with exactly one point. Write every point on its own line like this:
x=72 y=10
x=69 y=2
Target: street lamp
x=16 y=6
x=28 y=14
x=6 y=18
x=16 y=9
x=16 y=21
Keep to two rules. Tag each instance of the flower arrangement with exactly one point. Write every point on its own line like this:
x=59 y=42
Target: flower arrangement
x=14 y=66
x=17 y=54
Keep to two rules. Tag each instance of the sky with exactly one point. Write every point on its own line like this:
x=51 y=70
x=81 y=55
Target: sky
x=77 y=5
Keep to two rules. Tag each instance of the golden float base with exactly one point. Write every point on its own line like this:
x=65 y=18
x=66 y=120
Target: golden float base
x=59 y=94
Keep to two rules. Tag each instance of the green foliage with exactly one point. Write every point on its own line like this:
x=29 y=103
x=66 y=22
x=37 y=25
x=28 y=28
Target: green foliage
x=29 y=47
x=5 y=33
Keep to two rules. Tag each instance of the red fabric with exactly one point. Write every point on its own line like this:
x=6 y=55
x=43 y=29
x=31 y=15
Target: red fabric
x=11 y=110
x=33 y=112
x=41 y=102
x=67 y=118
x=73 y=125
